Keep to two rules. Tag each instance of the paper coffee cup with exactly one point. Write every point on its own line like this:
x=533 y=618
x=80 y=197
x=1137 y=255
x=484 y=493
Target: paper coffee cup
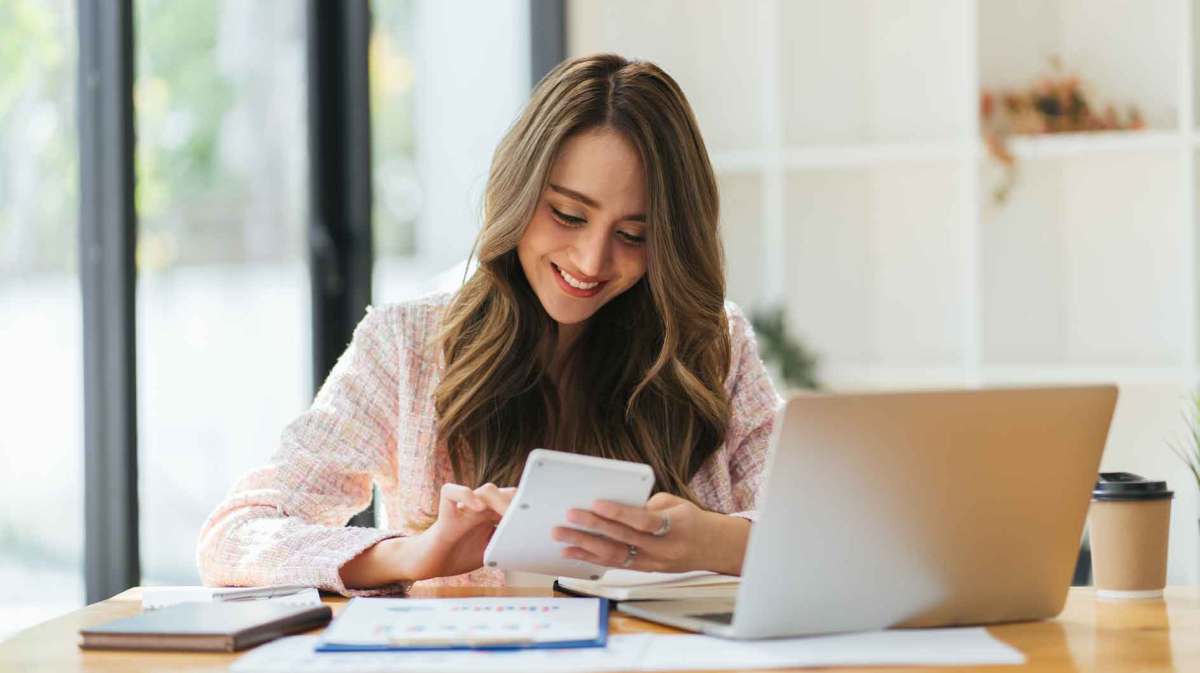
x=1130 y=522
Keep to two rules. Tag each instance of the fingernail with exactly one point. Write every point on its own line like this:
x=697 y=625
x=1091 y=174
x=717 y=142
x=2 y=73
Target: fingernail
x=574 y=516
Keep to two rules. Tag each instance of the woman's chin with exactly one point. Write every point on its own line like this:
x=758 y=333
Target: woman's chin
x=570 y=317
x=569 y=310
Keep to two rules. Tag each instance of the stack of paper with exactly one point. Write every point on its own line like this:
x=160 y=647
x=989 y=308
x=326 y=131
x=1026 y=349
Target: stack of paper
x=631 y=585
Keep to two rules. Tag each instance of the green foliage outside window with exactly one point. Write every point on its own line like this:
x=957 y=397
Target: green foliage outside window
x=39 y=184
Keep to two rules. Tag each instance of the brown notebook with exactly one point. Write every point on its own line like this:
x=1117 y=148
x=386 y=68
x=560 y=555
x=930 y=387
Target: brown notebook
x=208 y=627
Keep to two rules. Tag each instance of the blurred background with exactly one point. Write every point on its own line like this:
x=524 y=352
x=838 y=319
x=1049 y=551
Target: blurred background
x=934 y=193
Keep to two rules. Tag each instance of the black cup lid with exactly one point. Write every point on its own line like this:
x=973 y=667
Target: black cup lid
x=1129 y=486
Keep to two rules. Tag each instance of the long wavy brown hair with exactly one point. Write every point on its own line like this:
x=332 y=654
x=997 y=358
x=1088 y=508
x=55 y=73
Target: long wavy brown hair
x=647 y=373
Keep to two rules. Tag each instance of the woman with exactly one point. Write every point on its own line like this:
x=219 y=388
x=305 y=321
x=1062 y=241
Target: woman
x=595 y=323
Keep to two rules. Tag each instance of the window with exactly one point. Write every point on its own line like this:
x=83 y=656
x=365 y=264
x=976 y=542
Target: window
x=224 y=322
x=223 y=297
x=41 y=447
x=438 y=109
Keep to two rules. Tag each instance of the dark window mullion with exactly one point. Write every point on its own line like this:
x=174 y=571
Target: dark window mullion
x=547 y=37
x=340 y=239
x=107 y=231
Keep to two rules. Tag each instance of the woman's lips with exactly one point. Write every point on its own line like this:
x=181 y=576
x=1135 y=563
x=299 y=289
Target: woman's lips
x=572 y=290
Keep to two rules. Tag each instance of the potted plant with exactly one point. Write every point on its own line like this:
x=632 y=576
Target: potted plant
x=789 y=360
x=1189 y=450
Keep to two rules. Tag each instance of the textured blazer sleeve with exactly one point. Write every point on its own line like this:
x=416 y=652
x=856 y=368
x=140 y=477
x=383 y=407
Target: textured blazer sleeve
x=284 y=523
x=754 y=405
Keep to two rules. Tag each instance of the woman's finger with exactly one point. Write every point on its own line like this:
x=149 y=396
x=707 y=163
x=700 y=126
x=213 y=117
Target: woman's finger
x=464 y=497
x=495 y=497
x=663 y=500
x=610 y=552
x=637 y=518
x=584 y=555
x=609 y=528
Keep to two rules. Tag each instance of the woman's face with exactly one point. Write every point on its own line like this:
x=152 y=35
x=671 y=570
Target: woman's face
x=586 y=242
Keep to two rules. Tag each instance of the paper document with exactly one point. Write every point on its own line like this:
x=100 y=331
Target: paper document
x=653 y=652
x=398 y=623
x=154 y=598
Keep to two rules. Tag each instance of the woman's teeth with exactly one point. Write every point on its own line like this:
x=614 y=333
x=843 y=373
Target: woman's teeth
x=574 y=282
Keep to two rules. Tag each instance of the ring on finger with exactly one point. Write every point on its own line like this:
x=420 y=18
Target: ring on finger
x=631 y=553
x=663 y=528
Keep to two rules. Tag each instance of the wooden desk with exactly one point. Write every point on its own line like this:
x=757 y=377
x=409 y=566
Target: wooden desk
x=1146 y=637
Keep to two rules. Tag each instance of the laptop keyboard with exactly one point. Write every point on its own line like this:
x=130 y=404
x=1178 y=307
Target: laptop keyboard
x=719 y=617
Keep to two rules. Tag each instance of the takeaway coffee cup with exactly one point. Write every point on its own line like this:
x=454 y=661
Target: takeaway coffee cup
x=1130 y=520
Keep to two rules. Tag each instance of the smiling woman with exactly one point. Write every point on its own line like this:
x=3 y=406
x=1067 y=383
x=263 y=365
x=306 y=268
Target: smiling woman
x=598 y=253
x=595 y=323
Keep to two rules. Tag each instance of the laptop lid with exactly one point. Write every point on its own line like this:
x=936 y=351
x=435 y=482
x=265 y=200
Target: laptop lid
x=921 y=509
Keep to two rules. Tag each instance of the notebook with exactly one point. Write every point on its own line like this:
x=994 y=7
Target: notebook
x=486 y=623
x=631 y=585
x=207 y=627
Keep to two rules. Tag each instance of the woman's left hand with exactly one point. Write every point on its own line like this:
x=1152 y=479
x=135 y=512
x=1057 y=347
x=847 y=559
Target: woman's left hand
x=669 y=534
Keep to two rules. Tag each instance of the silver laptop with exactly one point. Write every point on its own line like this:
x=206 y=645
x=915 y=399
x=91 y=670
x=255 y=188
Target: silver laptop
x=913 y=509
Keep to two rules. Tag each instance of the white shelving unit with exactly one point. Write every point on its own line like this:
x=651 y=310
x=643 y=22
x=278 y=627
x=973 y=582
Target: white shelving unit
x=857 y=194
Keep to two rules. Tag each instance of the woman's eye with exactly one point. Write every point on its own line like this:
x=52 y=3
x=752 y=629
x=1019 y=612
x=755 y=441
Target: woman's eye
x=632 y=239
x=567 y=219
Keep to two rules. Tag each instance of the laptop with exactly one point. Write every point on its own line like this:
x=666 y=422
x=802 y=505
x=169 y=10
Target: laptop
x=913 y=509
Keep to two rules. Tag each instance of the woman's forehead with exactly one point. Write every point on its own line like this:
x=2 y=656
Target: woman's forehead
x=604 y=167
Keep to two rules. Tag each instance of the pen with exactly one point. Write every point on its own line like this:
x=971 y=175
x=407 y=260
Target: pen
x=258 y=593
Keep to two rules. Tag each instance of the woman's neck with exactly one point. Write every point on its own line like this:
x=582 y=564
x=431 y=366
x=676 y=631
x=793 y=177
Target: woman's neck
x=568 y=334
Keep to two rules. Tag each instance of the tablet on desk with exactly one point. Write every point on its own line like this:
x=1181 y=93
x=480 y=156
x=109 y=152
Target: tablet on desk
x=552 y=483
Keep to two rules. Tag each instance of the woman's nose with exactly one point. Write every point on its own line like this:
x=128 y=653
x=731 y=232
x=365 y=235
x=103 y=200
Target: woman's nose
x=591 y=251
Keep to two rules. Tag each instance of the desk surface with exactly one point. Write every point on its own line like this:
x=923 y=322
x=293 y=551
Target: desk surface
x=1089 y=635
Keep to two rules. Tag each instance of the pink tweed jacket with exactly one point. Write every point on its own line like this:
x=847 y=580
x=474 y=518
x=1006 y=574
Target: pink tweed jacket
x=373 y=422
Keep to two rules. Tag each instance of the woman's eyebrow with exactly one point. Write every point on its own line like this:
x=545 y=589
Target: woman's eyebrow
x=592 y=203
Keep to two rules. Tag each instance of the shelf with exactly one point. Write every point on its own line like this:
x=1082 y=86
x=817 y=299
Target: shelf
x=865 y=375
x=1125 y=53
x=1066 y=374
x=856 y=189
x=864 y=155
x=848 y=377
x=1060 y=145
x=867 y=155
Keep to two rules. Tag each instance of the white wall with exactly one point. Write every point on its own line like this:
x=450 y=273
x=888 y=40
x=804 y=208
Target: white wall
x=854 y=187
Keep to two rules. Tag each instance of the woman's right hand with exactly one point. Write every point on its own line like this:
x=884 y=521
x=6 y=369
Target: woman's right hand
x=454 y=544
